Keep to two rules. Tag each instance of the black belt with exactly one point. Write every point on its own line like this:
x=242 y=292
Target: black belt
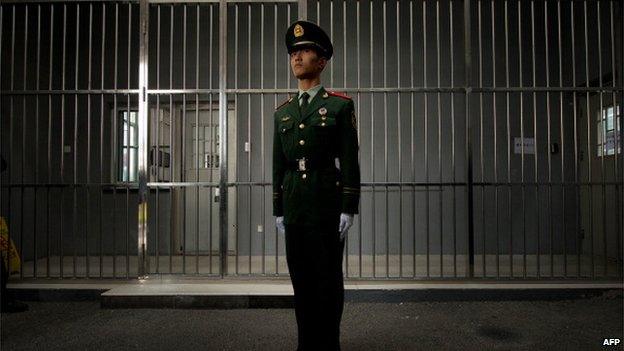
x=305 y=164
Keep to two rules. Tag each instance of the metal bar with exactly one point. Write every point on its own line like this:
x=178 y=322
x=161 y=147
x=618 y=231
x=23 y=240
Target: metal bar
x=143 y=122
x=184 y=151
x=236 y=172
x=589 y=147
x=172 y=119
x=603 y=134
x=412 y=139
x=385 y=96
x=223 y=123
x=426 y=130
x=398 y=40
x=562 y=128
x=521 y=83
x=75 y=149
x=115 y=141
x=359 y=138
x=262 y=136
x=275 y=104
x=440 y=209
x=49 y=149
x=249 y=126
x=618 y=129
x=35 y=256
x=212 y=144
x=159 y=118
x=151 y=1
x=453 y=166
x=548 y=144
x=88 y=140
x=128 y=149
x=537 y=217
x=467 y=84
x=495 y=128
x=373 y=214
x=576 y=155
x=197 y=208
x=481 y=141
x=102 y=55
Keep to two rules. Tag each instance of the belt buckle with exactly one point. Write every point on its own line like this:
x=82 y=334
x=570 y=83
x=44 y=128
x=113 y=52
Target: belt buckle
x=302 y=164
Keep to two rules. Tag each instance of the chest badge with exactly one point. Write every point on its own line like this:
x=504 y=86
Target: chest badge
x=286 y=118
x=322 y=111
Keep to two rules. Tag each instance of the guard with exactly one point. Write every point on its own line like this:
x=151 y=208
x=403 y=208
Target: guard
x=316 y=187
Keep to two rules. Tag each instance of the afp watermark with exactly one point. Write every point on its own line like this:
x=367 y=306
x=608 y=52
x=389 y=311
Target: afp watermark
x=610 y=342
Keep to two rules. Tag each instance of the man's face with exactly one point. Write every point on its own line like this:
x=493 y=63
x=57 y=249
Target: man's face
x=305 y=63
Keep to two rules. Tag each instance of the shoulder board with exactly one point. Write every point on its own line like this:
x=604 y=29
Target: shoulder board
x=333 y=93
x=284 y=103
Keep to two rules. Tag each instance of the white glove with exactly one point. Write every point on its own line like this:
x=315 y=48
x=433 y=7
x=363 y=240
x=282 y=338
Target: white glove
x=279 y=222
x=346 y=221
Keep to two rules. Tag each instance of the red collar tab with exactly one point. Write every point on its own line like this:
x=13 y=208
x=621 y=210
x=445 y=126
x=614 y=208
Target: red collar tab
x=333 y=93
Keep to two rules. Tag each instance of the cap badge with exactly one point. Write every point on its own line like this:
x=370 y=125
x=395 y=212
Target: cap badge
x=298 y=30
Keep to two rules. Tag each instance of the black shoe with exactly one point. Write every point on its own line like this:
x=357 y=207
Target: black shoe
x=14 y=306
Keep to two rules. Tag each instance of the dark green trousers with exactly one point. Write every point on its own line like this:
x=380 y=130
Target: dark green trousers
x=314 y=259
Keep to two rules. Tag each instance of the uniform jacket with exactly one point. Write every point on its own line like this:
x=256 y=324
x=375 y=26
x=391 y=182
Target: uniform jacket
x=327 y=130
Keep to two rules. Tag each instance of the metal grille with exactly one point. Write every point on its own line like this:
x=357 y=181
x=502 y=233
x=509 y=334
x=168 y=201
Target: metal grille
x=490 y=136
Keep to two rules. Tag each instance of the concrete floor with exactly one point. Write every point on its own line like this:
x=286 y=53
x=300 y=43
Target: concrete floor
x=392 y=266
x=575 y=324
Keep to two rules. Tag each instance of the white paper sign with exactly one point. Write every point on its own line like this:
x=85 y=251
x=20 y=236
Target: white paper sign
x=529 y=145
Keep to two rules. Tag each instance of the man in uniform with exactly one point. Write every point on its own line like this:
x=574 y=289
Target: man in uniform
x=316 y=187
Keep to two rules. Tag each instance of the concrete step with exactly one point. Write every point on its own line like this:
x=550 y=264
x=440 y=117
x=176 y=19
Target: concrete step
x=278 y=293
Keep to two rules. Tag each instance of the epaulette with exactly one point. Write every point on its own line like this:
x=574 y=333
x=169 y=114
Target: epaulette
x=284 y=103
x=333 y=93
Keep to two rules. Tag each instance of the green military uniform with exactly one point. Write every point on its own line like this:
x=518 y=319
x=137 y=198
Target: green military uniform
x=311 y=192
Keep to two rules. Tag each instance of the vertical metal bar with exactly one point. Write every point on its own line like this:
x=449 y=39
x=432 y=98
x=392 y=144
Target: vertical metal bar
x=172 y=120
x=197 y=164
x=88 y=179
x=495 y=120
x=452 y=138
x=62 y=164
x=535 y=170
x=548 y=145
x=508 y=126
x=184 y=151
x=236 y=172
x=23 y=140
x=481 y=170
x=398 y=40
x=143 y=138
x=589 y=146
x=223 y=123
x=562 y=138
x=115 y=130
x=359 y=154
x=426 y=132
x=302 y=10
x=101 y=193
x=468 y=89
x=603 y=143
x=249 y=125
x=128 y=144
x=75 y=149
x=439 y=140
x=331 y=38
x=11 y=127
x=412 y=138
x=372 y=139
x=274 y=104
x=344 y=84
x=49 y=149
x=262 y=134
x=385 y=84
x=212 y=144
x=36 y=180
x=617 y=117
x=576 y=155
x=522 y=141
x=159 y=119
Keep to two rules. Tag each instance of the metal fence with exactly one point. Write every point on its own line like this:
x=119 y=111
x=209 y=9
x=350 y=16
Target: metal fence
x=136 y=136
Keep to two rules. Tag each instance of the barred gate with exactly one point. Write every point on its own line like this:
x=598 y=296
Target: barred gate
x=136 y=136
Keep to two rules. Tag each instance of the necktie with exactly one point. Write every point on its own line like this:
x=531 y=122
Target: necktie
x=304 y=103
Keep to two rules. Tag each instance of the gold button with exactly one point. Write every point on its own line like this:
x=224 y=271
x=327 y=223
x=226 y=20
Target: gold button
x=337 y=183
x=323 y=124
x=301 y=142
x=304 y=176
x=301 y=126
